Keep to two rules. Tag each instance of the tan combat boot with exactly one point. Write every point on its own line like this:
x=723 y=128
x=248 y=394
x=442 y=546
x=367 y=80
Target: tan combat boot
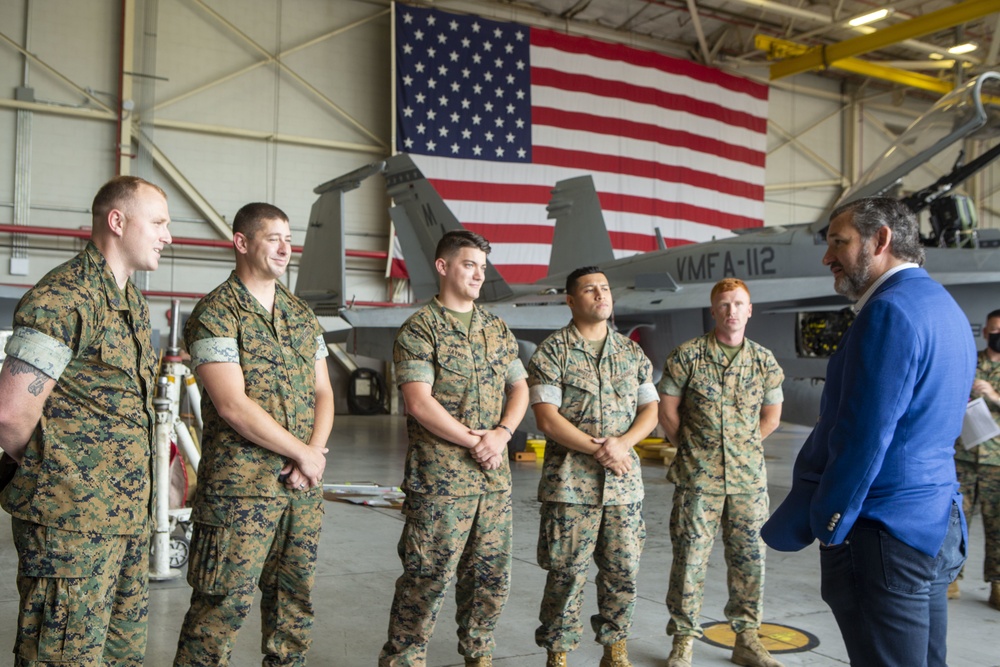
x=680 y=654
x=954 y=592
x=750 y=652
x=481 y=661
x=557 y=659
x=995 y=595
x=616 y=655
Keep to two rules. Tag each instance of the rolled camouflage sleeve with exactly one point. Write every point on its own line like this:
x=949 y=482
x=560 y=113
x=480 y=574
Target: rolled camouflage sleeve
x=515 y=372
x=675 y=376
x=413 y=355
x=40 y=350
x=647 y=390
x=214 y=350
x=544 y=377
x=773 y=377
x=48 y=332
x=322 y=351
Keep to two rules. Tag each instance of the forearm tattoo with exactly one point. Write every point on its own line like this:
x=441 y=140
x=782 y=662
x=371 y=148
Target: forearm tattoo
x=15 y=366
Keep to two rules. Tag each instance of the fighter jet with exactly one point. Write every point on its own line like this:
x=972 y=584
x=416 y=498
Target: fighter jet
x=661 y=297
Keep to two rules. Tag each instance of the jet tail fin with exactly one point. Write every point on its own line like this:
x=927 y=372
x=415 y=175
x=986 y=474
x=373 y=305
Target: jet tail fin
x=321 y=269
x=580 y=237
x=421 y=218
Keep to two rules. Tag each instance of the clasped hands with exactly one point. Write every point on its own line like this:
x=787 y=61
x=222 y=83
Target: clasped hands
x=307 y=472
x=491 y=448
x=614 y=454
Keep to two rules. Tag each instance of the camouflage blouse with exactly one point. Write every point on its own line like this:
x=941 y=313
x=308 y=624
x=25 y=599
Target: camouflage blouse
x=986 y=453
x=87 y=465
x=598 y=395
x=278 y=356
x=469 y=374
x=720 y=449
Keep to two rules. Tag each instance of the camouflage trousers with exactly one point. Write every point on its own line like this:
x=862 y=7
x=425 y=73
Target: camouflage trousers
x=694 y=521
x=238 y=545
x=84 y=597
x=568 y=537
x=980 y=487
x=445 y=536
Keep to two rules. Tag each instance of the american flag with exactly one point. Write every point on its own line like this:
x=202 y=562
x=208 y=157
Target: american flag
x=494 y=113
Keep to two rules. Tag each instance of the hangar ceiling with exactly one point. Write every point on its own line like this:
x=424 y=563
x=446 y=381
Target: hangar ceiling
x=741 y=33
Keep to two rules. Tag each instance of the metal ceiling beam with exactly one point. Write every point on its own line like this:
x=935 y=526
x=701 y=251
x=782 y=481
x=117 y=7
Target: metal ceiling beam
x=125 y=86
x=781 y=48
x=58 y=109
x=56 y=73
x=793 y=141
x=280 y=138
x=226 y=23
x=270 y=59
x=184 y=185
x=825 y=55
x=706 y=55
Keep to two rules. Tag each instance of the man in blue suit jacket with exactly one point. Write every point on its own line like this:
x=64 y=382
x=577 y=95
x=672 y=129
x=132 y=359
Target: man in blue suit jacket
x=875 y=482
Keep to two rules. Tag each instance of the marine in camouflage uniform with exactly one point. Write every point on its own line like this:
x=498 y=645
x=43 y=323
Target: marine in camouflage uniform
x=80 y=500
x=250 y=529
x=457 y=508
x=719 y=472
x=589 y=510
x=978 y=468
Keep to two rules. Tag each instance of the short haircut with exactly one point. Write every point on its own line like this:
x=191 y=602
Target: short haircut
x=575 y=276
x=872 y=213
x=118 y=193
x=728 y=285
x=251 y=217
x=994 y=313
x=452 y=242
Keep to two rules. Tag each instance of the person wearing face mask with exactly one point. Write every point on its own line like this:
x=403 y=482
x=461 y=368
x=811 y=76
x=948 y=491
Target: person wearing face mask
x=978 y=468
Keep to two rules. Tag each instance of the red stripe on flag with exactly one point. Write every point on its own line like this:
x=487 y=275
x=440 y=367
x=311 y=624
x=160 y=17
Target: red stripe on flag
x=620 y=52
x=573 y=120
x=619 y=164
x=550 y=78
x=511 y=233
x=503 y=193
x=612 y=201
x=522 y=273
x=632 y=241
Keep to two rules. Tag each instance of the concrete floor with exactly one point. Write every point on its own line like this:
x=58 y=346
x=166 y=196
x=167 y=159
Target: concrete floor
x=358 y=567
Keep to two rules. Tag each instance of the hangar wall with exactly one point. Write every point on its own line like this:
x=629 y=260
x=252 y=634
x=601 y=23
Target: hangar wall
x=230 y=124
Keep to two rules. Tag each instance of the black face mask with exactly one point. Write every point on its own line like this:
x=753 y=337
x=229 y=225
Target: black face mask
x=993 y=341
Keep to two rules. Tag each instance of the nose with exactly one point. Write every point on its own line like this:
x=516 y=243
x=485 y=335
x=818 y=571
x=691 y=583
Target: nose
x=828 y=257
x=284 y=247
x=167 y=237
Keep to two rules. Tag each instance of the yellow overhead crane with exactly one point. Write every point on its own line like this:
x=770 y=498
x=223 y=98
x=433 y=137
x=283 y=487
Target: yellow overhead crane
x=796 y=58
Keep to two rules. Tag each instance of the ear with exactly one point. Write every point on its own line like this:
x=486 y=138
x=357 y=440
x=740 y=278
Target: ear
x=749 y=310
x=116 y=222
x=883 y=240
x=441 y=265
x=240 y=243
x=569 y=300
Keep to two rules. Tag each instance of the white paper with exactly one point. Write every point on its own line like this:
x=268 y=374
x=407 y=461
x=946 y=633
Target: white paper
x=978 y=425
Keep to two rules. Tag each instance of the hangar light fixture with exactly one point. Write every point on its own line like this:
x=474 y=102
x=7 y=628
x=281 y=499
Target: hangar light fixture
x=870 y=17
x=959 y=49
